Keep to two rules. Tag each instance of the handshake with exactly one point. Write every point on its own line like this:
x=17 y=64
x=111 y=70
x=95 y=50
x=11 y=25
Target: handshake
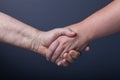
x=63 y=45
x=60 y=46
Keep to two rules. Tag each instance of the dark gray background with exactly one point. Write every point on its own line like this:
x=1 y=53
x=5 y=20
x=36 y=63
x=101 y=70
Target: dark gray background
x=102 y=62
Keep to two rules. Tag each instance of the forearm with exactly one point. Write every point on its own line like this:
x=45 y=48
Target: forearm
x=15 y=32
x=102 y=23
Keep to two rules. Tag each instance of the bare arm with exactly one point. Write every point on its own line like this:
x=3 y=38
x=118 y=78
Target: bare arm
x=102 y=23
x=15 y=32
x=22 y=35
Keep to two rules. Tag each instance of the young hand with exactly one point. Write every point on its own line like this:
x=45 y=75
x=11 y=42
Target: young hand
x=64 y=45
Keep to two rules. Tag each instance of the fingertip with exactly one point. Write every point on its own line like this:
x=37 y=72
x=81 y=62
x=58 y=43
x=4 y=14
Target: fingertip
x=87 y=48
x=59 y=63
x=64 y=60
x=64 y=55
x=75 y=54
x=64 y=63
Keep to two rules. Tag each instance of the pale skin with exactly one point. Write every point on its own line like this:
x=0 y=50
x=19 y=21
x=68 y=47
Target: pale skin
x=102 y=23
x=19 y=34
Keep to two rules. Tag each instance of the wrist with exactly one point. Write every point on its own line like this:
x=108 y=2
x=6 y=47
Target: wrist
x=80 y=29
x=36 y=41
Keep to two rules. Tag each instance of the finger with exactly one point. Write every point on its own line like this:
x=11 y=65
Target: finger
x=61 y=55
x=74 y=54
x=63 y=63
x=87 y=48
x=57 y=53
x=51 y=50
x=58 y=61
x=68 y=57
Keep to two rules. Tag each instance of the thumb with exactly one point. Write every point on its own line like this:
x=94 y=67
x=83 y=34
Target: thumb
x=55 y=33
x=64 y=32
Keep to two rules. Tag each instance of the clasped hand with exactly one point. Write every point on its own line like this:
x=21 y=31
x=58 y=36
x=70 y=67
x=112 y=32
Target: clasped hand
x=60 y=46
